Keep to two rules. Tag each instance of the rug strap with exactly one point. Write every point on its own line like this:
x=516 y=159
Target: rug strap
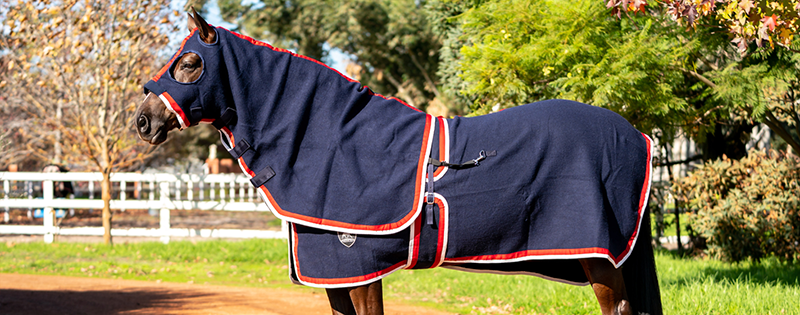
x=429 y=200
x=471 y=163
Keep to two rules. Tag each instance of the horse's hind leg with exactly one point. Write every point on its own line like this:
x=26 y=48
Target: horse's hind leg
x=361 y=300
x=608 y=286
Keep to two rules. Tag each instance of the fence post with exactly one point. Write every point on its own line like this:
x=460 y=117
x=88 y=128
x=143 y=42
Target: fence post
x=164 y=215
x=29 y=188
x=678 y=229
x=47 y=215
x=6 y=190
x=123 y=188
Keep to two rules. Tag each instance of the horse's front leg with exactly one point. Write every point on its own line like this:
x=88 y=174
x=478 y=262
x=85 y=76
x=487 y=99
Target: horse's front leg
x=608 y=286
x=361 y=300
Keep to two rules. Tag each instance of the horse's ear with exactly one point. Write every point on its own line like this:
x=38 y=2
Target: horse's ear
x=207 y=33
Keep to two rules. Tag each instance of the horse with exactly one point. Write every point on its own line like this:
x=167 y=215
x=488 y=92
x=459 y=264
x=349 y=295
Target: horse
x=369 y=185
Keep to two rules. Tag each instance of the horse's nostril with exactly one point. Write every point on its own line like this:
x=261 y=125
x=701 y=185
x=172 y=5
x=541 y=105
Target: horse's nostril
x=143 y=123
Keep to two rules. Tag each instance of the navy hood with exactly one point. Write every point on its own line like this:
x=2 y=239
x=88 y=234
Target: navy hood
x=205 y=98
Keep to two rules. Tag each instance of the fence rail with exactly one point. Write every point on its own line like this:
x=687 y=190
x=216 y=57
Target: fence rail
x=222 y=192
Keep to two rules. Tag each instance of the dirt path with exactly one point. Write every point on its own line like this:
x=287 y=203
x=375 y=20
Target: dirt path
x=43 y=295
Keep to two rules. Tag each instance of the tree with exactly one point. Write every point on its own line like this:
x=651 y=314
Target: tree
x=772 y=22
x=659 y=76
x=524 y=51
x=444 y=18
x=761 y=83
x=762 y=87
x=74 y=79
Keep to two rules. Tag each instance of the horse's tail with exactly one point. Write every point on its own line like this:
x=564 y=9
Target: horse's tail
x=639 y=274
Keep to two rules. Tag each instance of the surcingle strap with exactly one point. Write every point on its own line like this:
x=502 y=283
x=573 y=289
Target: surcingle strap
x=429 y=200
x=472 y=163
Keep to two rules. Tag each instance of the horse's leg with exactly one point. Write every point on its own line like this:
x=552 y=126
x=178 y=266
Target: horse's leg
x=362 y=300
x=608 y=286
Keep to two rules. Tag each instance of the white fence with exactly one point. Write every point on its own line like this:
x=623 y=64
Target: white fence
x=225 y=192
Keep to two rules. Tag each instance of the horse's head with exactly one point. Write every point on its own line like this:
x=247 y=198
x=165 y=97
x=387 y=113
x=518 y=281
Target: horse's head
x=159 y=113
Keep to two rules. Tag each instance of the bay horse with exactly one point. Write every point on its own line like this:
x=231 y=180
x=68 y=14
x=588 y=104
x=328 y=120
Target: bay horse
x=370 y=185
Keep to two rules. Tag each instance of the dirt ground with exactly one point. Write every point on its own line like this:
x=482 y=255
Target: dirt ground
x=44 y=295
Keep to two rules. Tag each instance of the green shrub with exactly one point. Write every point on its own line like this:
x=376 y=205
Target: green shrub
x=748 y=208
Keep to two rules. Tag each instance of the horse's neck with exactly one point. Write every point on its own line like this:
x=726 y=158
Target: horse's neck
x=293 y=92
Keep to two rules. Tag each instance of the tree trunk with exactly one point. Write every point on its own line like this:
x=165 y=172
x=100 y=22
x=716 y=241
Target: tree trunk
x=106 y=188
x=57 y=145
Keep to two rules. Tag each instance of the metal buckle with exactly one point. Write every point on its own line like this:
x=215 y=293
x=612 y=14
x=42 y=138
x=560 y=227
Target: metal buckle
x=429 y=199
x=481 y=157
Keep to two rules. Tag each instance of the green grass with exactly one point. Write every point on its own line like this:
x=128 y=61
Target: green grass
x=715 y=287
x=246 y=263
x=669 y=220
x=688 y=286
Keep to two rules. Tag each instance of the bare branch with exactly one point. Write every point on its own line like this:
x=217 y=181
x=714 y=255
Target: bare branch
x=774 y=123
x=700 y=77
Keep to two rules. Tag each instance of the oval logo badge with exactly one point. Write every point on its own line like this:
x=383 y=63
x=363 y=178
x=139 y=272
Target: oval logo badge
x=347 y=239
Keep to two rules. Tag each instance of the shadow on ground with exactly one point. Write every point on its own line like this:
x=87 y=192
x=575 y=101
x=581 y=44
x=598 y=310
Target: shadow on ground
x=93 y=302
x=775 y=273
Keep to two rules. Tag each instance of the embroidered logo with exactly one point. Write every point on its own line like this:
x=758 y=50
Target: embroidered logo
x=347 y=239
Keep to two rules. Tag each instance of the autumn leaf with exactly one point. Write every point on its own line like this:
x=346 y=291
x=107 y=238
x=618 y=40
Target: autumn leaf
x=769 y=22
x=741 y=18
x=746 y=5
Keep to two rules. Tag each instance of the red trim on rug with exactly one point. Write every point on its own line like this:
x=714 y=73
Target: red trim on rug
x=166 y=67
x=177 y=109
x=534 y=252
x=334 y=281
x=230 y=136
x=232 y=142
x=245 y=168
x=383 y=227
x=642 y=197
x=415 y=248
x=440 y=243
x=260 y=43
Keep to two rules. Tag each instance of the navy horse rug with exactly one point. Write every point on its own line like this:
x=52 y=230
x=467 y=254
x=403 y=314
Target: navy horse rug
x=371 y=185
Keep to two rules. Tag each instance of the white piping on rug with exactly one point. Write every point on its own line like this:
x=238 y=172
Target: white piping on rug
x=445 y=227
x=526 y=273
x=446 y=148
